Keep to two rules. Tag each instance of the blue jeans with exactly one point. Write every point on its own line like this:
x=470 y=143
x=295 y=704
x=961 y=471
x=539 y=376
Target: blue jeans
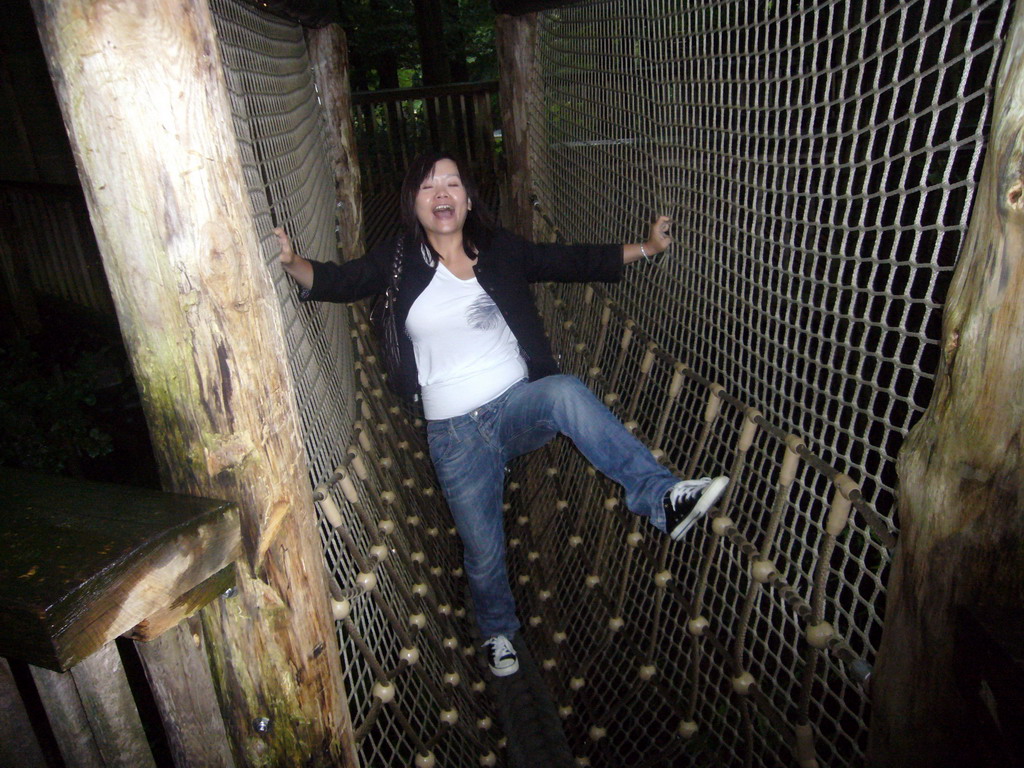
x=470 y=452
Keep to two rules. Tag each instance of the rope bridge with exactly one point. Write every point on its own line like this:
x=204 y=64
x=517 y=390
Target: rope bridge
x=787 y=341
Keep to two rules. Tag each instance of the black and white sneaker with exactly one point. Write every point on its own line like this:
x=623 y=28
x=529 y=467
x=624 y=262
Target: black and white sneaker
x=501 y=656
x=688 y=501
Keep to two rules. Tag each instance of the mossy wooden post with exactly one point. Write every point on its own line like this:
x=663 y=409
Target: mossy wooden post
x=961 y=497
x=517 y=52
x=328 y=55
x=143 y=95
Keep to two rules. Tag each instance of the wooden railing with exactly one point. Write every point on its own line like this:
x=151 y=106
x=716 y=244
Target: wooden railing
x=393 y=126
x=47 y=248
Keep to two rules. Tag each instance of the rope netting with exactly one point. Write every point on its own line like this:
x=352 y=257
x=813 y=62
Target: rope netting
x=416 y=696
x=819 y=165
x=819 y=160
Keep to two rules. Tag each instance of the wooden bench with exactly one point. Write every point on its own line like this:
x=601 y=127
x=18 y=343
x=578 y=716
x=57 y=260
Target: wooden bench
x=84 y=563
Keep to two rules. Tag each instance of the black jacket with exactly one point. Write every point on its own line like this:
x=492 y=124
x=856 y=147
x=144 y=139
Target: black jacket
x=505 y=268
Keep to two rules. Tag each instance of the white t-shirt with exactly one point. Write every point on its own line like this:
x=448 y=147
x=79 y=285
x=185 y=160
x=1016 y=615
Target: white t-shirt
x=466 y=354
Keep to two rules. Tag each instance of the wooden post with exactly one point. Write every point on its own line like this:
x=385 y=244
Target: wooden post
x=328 y=55
x=18 y=743
x=183 y=689
x=517 y=53
x=961 y=498
x=142 y=90
x=93 y=714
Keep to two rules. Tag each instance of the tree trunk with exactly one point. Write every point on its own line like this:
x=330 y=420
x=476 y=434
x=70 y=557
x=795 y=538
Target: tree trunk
x=517 y=52
x=961 y=471
x=143 y=94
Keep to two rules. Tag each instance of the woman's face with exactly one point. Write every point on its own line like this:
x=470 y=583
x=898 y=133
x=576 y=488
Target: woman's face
x=441 y=202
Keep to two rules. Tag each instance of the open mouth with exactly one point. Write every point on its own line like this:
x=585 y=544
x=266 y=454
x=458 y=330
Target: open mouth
x=444 y=210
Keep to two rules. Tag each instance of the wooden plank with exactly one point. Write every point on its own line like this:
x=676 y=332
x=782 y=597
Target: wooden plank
x=68 y=719
x=81 y=563
x=18 y=743
x=183 y=607
x=110 y=708
x=182 y=687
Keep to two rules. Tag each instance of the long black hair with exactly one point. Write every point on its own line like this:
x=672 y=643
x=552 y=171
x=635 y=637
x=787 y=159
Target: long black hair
x=480 y=224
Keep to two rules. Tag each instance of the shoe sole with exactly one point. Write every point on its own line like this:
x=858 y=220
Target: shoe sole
x=506 y=671
x=706 y=501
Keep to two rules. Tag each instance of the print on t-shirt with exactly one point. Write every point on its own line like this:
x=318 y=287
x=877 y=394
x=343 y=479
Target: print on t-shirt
x=483 y=314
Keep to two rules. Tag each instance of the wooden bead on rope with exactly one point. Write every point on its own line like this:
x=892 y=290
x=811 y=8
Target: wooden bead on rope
x=615 y=623
x=742 y=683
x=328 y=507
x=341 y=609
x=597 y=733
x=426 y=761
x=805 y=756
x=721 y=525
x=409 y=655
x=688 y=729
x=714 y=403
x=818 y=635
x=842 y=500
x=484 y=723
x=749 y=431
x=384 y=691
x=549 y=664
x=697 y=626
x=763 y=571
x=449 y=716
x=790 y=460
x=489 y=759
x=366 y=581
x=565 y=712
x=358 y=465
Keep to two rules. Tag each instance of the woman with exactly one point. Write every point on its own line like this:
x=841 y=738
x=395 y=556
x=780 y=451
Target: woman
x=468 y=339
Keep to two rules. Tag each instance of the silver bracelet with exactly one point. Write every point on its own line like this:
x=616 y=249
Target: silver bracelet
x=644 y=253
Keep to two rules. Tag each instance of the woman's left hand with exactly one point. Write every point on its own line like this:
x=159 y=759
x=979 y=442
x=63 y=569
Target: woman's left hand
x=658 y=238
